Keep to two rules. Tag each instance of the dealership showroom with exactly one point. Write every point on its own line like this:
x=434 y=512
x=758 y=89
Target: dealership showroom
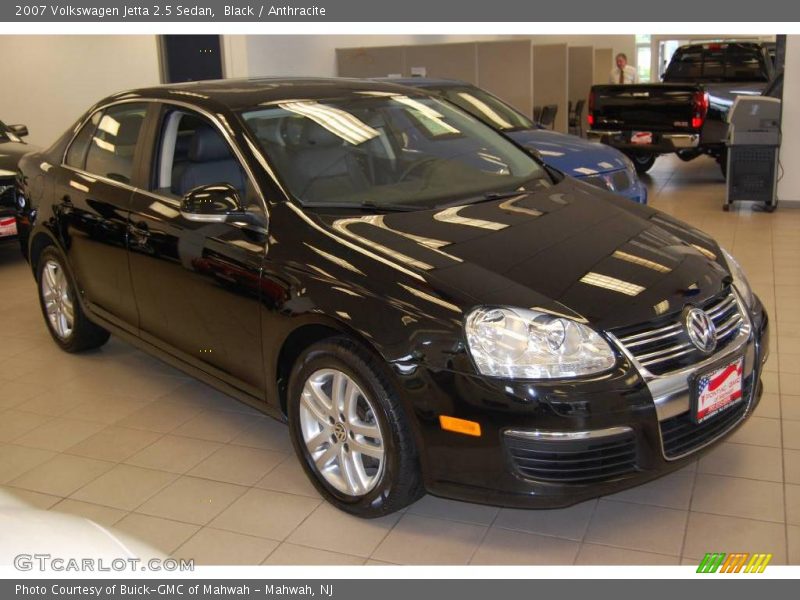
x=598 y=364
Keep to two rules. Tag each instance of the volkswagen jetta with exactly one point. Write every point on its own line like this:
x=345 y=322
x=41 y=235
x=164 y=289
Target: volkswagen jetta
x=427 y=305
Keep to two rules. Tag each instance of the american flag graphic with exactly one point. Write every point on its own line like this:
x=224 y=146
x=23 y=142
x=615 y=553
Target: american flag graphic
x=719 y=389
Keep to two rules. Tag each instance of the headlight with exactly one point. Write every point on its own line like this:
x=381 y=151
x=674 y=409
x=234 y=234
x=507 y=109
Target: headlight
x=739 y=280
x=526 y=344
x=629 y=166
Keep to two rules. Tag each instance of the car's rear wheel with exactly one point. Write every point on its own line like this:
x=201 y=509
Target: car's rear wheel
x=350 y=431
x=643 y=162
x=65 y=319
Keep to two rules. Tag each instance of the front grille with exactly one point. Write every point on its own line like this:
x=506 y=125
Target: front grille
x=666 y=346
x=680 y=435
x=573 y=461
x=8 y=195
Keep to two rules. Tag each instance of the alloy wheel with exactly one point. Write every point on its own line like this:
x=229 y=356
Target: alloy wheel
x=341 y=432
x=57 y=299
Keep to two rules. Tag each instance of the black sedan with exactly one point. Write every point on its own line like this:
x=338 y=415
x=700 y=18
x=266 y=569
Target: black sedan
x=427 y=305
x=11 y=150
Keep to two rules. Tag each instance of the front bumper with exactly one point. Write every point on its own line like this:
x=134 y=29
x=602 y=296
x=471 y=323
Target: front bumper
x=662 y=143
x=622 y=420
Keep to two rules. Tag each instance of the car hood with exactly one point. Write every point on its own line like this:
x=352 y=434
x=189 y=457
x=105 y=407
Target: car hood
x=570 y=154
x=569 y=248
x=10 y=153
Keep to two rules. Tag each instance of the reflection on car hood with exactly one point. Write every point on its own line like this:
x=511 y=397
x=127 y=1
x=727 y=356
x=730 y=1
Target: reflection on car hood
x=573 y=248
x=569 y=153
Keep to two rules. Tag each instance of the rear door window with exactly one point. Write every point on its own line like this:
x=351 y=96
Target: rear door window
x=113 y=145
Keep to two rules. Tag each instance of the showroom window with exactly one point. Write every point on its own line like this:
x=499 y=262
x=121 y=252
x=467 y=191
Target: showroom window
x=76 y=155
x=643 y=55
x=113 y=144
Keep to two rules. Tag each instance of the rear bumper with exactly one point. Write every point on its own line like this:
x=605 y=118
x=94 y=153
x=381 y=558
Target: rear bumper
x=663 y=143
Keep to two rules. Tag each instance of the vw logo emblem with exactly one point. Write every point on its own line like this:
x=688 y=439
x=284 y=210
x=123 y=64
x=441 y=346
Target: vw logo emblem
x=701 y=330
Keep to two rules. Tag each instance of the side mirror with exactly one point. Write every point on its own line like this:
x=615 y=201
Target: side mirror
x=18 y=130
x=211 y=203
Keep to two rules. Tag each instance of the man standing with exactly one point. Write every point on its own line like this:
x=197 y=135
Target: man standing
x=623 y=72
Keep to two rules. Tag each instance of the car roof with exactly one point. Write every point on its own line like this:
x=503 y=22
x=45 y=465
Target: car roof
x=238 y=94
x=423 y=82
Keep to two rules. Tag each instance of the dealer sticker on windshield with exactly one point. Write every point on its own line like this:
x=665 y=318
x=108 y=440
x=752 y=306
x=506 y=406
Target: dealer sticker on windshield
x=8 y=226
x=641 y=137
x=718 y=390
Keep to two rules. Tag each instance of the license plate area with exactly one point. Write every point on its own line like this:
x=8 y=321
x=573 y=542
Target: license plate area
x=717 y=389
x=642 y=138
x=8 y=226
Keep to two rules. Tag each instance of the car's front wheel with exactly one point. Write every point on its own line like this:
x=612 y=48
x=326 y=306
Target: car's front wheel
x=350 y=431
x=65 y=319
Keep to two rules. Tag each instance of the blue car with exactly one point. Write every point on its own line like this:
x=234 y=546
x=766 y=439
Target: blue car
x=594 y=163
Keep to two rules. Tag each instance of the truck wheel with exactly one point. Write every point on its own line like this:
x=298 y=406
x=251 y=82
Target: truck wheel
x=688 y=155
x=643 y=162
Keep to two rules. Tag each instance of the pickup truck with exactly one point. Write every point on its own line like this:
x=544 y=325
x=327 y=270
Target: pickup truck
x=686 y=114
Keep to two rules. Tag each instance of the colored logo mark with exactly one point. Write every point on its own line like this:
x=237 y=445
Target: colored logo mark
x=737 y=562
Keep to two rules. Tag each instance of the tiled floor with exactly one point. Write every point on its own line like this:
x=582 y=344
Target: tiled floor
x=120 y=438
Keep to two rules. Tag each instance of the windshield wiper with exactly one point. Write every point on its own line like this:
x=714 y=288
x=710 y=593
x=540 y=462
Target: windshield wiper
x=367 y=205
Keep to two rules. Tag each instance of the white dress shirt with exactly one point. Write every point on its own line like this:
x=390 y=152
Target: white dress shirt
x=630 y=75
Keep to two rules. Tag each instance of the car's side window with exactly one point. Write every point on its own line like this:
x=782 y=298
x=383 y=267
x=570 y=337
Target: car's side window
x=76 y=155
x=113 y=144
x=191 y=153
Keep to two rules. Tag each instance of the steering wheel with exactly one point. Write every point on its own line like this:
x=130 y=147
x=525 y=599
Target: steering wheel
x=416 y=165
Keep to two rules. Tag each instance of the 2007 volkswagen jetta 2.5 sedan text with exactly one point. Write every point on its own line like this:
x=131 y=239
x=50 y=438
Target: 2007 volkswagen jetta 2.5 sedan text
x=427 y=305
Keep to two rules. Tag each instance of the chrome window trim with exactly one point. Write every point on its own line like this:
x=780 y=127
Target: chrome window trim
x=170 y=102
x=567 y=436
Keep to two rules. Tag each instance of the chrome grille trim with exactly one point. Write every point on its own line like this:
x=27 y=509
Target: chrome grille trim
x=648 y=347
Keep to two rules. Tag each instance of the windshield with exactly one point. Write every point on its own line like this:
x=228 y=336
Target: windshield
x=487 y=108
x=717 y=64
x=386 y=149
x=4 y=137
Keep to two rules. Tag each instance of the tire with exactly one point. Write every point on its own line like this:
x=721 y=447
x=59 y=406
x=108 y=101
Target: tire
x=58 y=299
x=643 y=162
x=382 y=486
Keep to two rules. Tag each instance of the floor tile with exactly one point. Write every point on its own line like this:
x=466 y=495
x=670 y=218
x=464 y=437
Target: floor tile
x=442 y=508
x=238 y=464
x=217 y=547
x=173 y=453
x=506 y=547
x=62 y=475
x=595 y=554
x=742 y=460
x=738 y=497
x=328 y=528
x=568 y=522
x=292 y=554
x=621 y=524
x=759 y=431
x=715 y=533
x=420 y=540
x=265 y=513
x=215 y=425
x=102 y=515
x=192 y=500
x=114 y=443
x=792 y=496
x=59 y=434
x=162 y=534
x=14 y=424
x=124 y=487
x=289 y=477
x=16 y=460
